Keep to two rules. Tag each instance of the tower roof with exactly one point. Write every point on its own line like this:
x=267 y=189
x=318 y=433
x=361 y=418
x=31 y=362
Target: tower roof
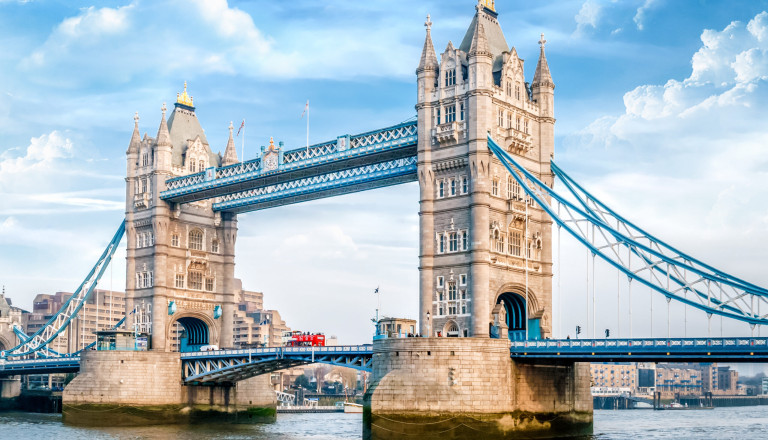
x=133 y=147
x=428 y=56
x=230 y=153
x=497 y=44
x=184 y=126
x=542 y=75
x=163 y=138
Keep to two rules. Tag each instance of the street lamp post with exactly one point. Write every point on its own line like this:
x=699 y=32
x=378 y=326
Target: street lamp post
x=429 y=325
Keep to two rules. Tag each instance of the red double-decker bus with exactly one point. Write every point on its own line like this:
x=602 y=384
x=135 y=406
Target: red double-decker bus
x=303 y=339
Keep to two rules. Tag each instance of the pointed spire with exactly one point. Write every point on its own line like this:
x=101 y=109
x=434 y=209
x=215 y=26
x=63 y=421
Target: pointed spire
x=542 y=75
x=163 y=136
x=428 y=56
x=133 y=147
x=230 y=153
x=479 y=44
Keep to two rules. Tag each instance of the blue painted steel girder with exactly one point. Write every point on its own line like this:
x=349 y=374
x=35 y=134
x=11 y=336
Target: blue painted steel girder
x=382 y=145
x=346 y=181
x=743 y=350
x=40 y=366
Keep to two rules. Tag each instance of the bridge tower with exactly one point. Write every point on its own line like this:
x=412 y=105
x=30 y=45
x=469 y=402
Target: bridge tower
x=485 y=250
x=180 y=257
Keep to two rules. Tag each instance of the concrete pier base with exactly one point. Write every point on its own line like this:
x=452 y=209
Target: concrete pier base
x=460 y=387
x=10 y=389
x=121 y=388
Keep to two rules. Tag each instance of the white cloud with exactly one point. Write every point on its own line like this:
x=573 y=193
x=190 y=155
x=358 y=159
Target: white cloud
x=688 y=156
x=210 y=36
x=588 y=16
x=40 y=155
x=642 y=11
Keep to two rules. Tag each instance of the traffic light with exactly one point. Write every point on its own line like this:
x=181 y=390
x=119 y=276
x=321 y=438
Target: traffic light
x=578 y=329
x=607 y=333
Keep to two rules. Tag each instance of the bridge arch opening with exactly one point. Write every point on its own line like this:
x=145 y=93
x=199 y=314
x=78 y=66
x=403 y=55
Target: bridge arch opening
x=516 y=320
x=194 y=333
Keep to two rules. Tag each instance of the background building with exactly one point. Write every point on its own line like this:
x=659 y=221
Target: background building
x=393 y=327
x=615 y=375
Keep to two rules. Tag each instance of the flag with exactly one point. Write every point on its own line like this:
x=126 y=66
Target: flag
x=306 y=107
x=242 y=124
x=376 y=291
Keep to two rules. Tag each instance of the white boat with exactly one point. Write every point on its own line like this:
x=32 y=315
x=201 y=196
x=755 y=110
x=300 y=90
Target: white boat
x=353 y=408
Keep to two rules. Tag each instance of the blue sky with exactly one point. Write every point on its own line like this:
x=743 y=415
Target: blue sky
x=660 y=110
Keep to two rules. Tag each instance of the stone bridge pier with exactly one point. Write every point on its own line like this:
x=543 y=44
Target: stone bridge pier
x=123 y=388
x=460 y=387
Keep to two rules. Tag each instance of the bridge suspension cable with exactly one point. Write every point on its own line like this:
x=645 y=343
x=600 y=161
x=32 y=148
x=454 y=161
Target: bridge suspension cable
x=62 y=318
x=660 y=266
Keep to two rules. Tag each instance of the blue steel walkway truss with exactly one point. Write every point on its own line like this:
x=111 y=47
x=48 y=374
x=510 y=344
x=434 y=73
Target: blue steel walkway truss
x=229 y=366
x=349 y=164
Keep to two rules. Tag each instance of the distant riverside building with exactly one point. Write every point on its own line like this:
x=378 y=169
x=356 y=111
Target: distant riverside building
x=103 y=310
x=253 y=326
x=615 y=375
x=400 y=326
x=727 y=380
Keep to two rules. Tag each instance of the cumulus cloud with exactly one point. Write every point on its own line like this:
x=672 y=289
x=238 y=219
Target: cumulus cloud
x=209 y=36
x=640 y=15
x=41 y=154
x=688 y=156
x=588 y=16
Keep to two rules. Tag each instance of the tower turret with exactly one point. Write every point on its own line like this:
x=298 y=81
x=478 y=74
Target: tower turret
x=230 y=153
x=163 y=145
x=132 y=154
x=543 y=87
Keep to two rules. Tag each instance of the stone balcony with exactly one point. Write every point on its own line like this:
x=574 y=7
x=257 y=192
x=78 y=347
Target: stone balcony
x=141 y=201
x=515 y=141
x=450 y=132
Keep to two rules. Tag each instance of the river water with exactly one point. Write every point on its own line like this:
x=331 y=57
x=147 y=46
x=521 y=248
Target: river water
x=719 y=423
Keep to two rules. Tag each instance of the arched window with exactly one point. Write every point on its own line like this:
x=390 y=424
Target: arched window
x=196 y=240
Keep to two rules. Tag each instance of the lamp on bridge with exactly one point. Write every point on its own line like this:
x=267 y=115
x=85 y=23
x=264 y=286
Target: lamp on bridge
x=429 y=325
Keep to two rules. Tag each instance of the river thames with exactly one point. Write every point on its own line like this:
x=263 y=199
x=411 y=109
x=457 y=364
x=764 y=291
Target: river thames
x=719 y=423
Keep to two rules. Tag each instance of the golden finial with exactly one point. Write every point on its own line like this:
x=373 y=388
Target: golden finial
x=490 y=4
x=184 y=98
x=271 y=143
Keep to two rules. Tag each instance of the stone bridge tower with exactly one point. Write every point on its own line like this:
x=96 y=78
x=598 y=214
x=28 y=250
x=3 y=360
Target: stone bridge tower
x=485 y=248
x=180 y=258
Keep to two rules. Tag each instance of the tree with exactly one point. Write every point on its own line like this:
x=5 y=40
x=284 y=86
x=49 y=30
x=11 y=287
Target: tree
x=301 y=381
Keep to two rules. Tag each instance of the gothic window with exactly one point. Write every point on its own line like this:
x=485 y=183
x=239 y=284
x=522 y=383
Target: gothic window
x=450 y=113
x=464 y=185
x=495 y=186
x=192 y=166
x=516 y=189
x=438 y=116
x=517 y=91
x=501 y=117
x=529 y=248
x=179 y=281
x=441 y=189
x=450 y=77
x=143 y=185
x=526 y=126
x=461 y=111
x=442 y=243
x=518 y=124
x=175 y=240
x=196 y=240
x=145 y=159
x=509 y=119
x=509 y=88
x=440 y=282
x=453 y=242
x=464 y=240
x=463 y=282
x=453 y=187
x=209 y=284
x=498 y=239
x=440 y=310
x=195 y=280
x=452 y=311
x=516 y=243
x=215 y=246
x=202 y=165
x=452 y=291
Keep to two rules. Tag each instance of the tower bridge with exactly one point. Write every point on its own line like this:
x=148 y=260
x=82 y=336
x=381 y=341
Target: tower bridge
x=481 y=148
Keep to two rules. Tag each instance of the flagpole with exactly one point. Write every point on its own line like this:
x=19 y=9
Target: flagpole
x=307 y=128
x=242 y=156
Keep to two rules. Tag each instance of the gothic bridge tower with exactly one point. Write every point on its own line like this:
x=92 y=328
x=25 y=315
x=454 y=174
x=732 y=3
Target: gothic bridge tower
x=485 y=249
x=181 y=258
